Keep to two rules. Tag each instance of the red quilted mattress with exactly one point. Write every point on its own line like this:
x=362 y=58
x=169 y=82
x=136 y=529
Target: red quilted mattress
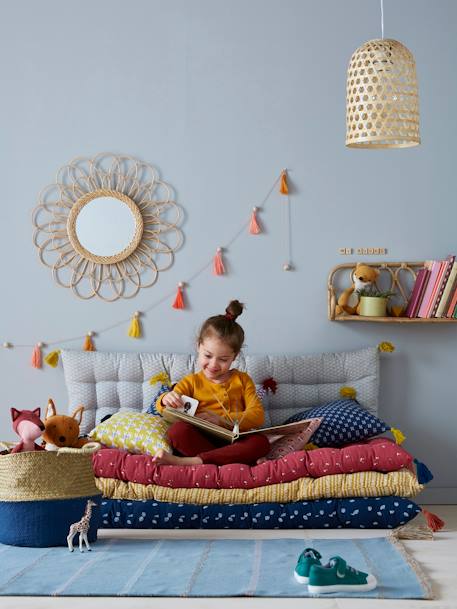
x=378 y=454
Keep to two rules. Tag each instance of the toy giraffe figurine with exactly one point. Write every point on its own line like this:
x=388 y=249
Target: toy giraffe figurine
x=81 y=527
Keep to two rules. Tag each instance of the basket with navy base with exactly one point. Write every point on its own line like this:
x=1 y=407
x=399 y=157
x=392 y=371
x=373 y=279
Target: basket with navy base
x=43 y=492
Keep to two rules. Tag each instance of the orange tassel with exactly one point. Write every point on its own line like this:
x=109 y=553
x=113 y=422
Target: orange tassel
x=37 y=358
x=218 y=265
x=179 y=300
x=284 y=187
x=433 y=521
x=254 y=228
x=89 y=343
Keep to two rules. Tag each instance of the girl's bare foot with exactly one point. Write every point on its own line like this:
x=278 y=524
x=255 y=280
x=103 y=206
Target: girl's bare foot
x=261 y=460
x=162 y=457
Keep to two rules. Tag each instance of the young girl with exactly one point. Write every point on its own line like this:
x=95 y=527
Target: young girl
x=225 y=395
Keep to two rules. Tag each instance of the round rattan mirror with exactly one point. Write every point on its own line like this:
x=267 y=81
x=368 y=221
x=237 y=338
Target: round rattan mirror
x=107 y=227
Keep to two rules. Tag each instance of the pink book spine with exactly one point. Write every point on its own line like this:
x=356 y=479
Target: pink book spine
x=436 y=265
x=416 y=295
x=437 y=287
x=451 y=308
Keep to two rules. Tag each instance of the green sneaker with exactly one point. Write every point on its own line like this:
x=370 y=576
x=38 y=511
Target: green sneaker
x=337 y=576
x=306 y=560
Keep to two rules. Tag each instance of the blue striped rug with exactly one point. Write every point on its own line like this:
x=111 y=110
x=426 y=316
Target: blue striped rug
x=200 y=568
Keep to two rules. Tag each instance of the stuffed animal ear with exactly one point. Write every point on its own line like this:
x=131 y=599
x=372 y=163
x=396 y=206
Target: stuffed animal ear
x=50 y=409
x=37 y=412
x=78 y=414
x=14 y=413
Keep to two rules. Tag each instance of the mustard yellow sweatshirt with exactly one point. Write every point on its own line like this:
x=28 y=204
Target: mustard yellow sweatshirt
x=238 y=396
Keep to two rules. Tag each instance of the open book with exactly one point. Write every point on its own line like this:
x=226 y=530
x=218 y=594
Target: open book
x=171 y=415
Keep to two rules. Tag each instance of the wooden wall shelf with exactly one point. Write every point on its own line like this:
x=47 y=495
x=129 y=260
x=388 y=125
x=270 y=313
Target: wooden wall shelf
x=395 y=272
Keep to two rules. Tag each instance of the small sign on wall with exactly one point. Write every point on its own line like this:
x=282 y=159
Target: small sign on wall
x=363 y=251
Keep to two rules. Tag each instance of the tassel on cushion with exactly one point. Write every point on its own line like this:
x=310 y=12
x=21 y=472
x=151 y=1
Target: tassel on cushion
x=161 y=377
x=37 y=356
x=348 y=392
x=423 y=474
x=52 y=358
x=179 y=299
x=399 y=437
x=433 y=521
x=270 y=384
x=254 y=228
x=88 y=342
x=284 y=187
x=135 y=326
x=218 y=265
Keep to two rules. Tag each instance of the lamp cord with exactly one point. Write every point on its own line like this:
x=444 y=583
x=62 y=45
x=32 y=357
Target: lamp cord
x=382 y=19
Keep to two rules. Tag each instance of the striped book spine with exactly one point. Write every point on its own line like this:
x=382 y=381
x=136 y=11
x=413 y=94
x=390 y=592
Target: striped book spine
x=447 y=271
x=448 y=292
x=453 y=304
x=434 y=271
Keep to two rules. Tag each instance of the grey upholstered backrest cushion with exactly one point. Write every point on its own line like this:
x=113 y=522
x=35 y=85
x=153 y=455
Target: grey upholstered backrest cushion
x=106 y=382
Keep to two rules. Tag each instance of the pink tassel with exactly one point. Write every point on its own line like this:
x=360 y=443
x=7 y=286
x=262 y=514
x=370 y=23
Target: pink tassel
x=37 y=359
x=179 y=300
x=218 y=265
x=254 y=228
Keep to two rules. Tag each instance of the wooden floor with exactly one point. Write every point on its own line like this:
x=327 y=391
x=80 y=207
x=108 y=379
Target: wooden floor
x=437 y=557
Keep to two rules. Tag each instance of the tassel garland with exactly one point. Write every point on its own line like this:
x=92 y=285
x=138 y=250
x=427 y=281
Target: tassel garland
x=270 y=384
x=218 y=265
x=399 y=437
x=88 y=342
x=135 y=326
x=348 y=392
x=284 y=187
x=254 y=228
x=179 y=299
x=433 y=521
x=52 y=358
x=424 y=475
x=37 y=356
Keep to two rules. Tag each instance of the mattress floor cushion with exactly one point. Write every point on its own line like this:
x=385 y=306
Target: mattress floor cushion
x=363 y=512
x=401 y=482
x=378 y=454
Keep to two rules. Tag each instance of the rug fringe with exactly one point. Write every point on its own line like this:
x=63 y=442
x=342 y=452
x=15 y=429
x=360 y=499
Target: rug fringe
x=410 y=531
x=423 y=579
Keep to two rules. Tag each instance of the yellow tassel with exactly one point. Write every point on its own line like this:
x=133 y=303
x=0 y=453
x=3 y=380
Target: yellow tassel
x=52 y=359
x=161 y=377
x=88 y=342
x=310 y=446
x=284 y=187
x=398 y=435
x=135 y=326
x=386 y=347
x=348 y=392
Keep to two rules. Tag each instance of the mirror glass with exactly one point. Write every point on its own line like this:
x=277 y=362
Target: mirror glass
x=105 y=226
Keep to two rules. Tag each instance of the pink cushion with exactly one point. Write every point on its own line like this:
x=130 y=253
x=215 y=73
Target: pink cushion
x=378 y=454
x=289 y=444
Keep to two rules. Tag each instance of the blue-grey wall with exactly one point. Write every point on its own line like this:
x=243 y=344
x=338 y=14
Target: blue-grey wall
x=221 y=95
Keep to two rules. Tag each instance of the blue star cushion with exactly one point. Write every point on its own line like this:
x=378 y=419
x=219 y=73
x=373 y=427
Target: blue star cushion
x=344 y=421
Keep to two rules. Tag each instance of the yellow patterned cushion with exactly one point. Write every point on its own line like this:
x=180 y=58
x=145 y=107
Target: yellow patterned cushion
x=137 y=432
x=361 y=484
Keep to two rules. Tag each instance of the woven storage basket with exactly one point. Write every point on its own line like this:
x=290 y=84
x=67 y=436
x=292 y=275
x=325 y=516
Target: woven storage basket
x=42 y=493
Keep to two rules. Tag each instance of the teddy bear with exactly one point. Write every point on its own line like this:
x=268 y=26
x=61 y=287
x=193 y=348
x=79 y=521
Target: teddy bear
x=62 y=430
x=362 y=276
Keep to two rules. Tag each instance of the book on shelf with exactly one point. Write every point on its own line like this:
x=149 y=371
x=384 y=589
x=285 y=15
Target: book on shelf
x=447 y=291
x=435 y=267
x=446 y=266
x=171 y=415
x=417 y=292
x=452 y=305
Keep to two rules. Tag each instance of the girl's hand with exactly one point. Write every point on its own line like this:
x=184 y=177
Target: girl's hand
x=172 y=400
x=212 y=418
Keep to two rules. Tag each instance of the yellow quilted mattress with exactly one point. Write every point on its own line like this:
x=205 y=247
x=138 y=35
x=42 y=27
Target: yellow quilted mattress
x=361 y=484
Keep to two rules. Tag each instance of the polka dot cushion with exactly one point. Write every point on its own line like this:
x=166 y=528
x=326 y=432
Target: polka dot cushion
x=358 y=513
x=137 y=432
x=343 y=421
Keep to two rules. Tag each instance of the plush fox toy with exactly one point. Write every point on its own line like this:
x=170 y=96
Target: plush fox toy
x=28 y=426
x=61 y=429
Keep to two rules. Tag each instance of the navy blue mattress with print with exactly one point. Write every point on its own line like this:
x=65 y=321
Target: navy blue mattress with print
x=361 y=512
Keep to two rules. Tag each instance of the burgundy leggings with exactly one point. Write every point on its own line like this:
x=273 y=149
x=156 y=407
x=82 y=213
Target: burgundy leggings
x=189 y=441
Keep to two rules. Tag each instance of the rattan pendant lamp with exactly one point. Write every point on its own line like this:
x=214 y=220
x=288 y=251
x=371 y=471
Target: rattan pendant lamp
x=382 y=100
